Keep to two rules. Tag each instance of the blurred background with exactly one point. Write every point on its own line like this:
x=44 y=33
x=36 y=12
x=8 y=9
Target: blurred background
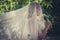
x=51 y=10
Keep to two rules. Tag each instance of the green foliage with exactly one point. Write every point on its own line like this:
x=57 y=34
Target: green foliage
x=46 y=3
x=8 y=5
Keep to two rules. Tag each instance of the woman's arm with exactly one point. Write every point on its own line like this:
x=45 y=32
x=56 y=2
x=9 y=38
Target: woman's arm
x=48 y=25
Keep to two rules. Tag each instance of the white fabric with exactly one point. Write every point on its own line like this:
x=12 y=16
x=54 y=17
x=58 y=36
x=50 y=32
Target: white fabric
x=22 y=24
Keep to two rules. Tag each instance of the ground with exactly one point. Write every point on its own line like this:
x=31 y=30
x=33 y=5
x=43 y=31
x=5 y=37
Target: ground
x=52 y=38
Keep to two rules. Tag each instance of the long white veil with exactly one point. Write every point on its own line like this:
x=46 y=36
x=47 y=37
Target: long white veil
x=22 y=24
